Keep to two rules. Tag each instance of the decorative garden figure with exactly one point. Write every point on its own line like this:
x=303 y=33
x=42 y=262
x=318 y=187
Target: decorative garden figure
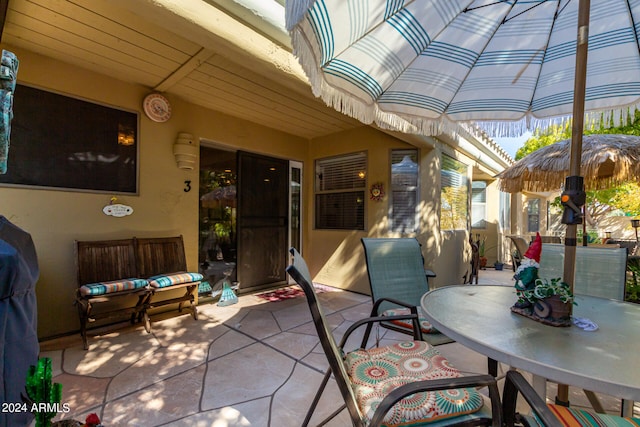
x=547 y=301
x=527 y=272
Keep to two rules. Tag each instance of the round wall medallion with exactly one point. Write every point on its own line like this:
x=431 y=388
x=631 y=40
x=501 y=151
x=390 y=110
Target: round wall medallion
x=157 y=107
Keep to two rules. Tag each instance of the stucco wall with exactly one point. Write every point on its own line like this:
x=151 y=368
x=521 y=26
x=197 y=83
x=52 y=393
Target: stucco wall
x=56 y=218
x=336 y=257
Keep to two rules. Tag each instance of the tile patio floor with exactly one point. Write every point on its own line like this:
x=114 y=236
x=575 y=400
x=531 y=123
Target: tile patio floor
x=254 y=363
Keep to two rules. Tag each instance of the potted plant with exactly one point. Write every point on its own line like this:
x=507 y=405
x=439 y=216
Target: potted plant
x=548 y=301
x=498 y=265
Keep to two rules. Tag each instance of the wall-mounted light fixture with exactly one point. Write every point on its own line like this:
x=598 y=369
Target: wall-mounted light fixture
x=185 y=150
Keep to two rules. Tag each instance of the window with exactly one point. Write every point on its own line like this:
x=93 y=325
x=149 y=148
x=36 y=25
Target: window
x=404 y=190
x=454 y=194
x=533 y=215
x=479 y=204
x=63 y=142
x=505 y=211
x=340 y=192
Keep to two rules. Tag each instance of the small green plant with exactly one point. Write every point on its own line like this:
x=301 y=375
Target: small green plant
x=43 y=396
x=482 y=244
x=544 y=289
x=222 y=231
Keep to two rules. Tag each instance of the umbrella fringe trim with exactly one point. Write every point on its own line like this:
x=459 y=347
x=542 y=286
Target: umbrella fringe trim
x=295 y=11
x=356 y=108
x=369 y=113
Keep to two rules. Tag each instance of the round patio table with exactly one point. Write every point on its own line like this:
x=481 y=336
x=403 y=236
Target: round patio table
x=606 y=360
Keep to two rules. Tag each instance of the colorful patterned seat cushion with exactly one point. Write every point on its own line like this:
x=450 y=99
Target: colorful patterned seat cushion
x=427 y=328
x=572 y=417
x=113 y=286
x=171 y=279
x=375 y=372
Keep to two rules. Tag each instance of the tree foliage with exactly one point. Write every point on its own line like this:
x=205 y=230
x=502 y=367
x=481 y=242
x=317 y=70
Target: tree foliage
x=542 y=138
x=625 y=197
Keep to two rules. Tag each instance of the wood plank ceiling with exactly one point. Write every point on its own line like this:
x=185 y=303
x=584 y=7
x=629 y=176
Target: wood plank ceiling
x=195 y=55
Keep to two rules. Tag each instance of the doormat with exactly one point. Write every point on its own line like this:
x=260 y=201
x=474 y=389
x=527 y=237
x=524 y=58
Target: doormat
x=289 y=292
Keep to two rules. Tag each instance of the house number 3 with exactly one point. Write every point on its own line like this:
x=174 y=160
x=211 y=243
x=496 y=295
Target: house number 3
x=187 y=186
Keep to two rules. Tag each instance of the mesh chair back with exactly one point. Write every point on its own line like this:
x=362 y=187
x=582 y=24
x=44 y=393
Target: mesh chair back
x=299 y=271
x=600 y=271
x=396 y=270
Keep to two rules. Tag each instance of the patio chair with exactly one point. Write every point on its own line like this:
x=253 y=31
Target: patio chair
x=600 y=270
x=408 y=383
x=521 y=248
x=395 y=267
x=550 y=415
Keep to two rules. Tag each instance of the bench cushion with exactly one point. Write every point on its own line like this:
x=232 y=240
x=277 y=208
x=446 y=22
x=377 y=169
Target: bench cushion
x=114 y=286
x=375 y=372
x=427 y=328
x=171 y=279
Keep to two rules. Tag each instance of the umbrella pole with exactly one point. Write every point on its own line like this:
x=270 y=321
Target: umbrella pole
x=576 y=132
x=570 y=240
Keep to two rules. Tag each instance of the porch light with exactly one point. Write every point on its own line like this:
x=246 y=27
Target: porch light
x=185 y=150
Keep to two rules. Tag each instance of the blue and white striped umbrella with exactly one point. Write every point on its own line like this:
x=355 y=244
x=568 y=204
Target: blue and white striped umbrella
x=422 y=65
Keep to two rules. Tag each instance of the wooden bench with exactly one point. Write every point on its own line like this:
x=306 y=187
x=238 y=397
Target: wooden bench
x=132 y=275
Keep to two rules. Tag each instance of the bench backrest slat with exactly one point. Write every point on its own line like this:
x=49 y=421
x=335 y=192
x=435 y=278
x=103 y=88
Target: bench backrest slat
x=160 y=255
x=105 y=260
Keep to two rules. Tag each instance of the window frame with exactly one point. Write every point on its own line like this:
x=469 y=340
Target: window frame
x=460 y=220
x=505 y=211
x=531 y=215
x=406 y=187
x=475 y=206
x=74 y=144
x=340 y=192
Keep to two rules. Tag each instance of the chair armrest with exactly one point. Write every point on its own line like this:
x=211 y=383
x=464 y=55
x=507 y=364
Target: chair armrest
x=515 y=383
x=378 y=302
x=370 y=321
x=414 y=310
x=441 y=384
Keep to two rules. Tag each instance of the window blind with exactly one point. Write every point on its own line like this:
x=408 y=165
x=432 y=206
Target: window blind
x=404 y=190
x=479 y=204
x=337 y=205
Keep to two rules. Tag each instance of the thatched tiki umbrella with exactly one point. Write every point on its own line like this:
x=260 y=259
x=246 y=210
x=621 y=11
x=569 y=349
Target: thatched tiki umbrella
x=606 y=161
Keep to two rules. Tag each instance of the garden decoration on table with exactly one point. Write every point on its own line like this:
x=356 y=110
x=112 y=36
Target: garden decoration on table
x=547 y=301
x=527 y=272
